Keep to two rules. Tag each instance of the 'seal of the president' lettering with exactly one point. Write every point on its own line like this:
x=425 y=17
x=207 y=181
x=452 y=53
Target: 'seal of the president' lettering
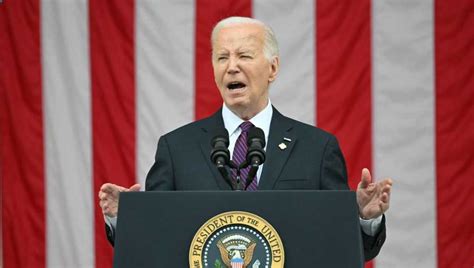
x=236 y=239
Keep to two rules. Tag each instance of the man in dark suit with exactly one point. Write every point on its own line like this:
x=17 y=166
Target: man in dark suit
x=299 y=156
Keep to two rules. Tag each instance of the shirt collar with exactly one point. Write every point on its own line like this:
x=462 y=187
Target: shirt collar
x=261 y=120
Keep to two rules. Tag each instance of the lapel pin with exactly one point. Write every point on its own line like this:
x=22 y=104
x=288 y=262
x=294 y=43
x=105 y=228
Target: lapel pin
x=282 y=146
x=287 y=139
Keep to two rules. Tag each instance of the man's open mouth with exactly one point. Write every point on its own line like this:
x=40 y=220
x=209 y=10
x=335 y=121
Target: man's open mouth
x=235 y=85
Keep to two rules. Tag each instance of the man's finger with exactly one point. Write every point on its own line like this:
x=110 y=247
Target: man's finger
x=365 y=178
x=134 y=188
x=103 y=195
x=387 y=187
x=106 y=186
x=387 y=181
x=384 y=205
x=103 y=204
x=109 y=188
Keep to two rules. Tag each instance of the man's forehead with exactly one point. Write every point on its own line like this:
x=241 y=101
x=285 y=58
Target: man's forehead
x=239 y=44
x=239 y=37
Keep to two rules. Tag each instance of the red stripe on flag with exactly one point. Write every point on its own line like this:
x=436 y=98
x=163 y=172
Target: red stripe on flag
x=454 y=54
x=343 y=61
x=113 y=104
x=21 y=143
x=343 y=79
x=208 y=13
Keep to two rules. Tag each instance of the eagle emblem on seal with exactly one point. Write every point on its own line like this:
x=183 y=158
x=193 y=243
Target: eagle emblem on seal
x=236 y=250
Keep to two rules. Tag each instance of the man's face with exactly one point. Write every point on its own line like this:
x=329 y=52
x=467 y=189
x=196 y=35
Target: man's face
x=241 y=71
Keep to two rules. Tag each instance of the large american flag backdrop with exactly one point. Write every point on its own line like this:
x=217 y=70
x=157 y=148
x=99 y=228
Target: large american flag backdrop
x=87 y=88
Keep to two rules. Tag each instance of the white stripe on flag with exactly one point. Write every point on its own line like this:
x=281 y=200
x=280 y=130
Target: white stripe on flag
x=293 y=92
x=67 y=129
x=403 y=93
x=165 y=73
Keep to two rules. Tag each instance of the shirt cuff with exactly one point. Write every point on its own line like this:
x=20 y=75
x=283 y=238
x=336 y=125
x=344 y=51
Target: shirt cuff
x=111 y=222
x=370 y=227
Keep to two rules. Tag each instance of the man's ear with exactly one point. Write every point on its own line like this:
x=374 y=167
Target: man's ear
x=274 y=68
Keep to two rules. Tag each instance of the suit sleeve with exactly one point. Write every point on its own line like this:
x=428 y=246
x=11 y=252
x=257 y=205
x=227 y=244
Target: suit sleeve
x=110 y=234
x=161 y=175
x=333 y=167
x=373 y=244
x=334 y=177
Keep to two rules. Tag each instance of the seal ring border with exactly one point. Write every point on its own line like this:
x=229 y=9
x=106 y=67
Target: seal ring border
x=193 y=259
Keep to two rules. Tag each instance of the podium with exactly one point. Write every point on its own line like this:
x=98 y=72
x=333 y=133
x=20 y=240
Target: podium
x=316 y=228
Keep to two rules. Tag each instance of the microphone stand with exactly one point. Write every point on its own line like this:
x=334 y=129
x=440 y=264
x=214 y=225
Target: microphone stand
x=238 y=180
x=225 y=174
x=251 y=176
x=252 y=172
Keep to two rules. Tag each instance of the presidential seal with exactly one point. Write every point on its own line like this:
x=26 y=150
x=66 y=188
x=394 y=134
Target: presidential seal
x=236 y=239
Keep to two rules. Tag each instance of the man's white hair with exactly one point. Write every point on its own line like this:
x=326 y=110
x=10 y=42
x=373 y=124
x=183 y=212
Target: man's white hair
x=270 y=45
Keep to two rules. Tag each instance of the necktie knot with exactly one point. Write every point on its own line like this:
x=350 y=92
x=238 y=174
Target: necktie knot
x=246 y=126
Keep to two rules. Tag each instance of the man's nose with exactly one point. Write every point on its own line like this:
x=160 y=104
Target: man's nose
x=233 y=66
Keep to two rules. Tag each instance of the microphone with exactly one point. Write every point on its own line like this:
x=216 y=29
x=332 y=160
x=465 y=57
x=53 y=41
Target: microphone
x=220 y=155
x=256 y=143
x=255 y=154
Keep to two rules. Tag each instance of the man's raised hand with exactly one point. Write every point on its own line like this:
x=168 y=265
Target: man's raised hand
x=373 y=198
x=109 y=194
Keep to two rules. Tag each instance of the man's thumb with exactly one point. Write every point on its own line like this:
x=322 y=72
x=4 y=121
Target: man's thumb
x=365 y=178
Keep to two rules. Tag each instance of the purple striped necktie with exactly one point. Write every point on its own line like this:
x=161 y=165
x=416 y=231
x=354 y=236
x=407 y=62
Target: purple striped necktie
x=240 y=153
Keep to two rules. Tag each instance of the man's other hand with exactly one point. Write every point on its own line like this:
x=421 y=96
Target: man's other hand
x=373 y=198
x=109 y=197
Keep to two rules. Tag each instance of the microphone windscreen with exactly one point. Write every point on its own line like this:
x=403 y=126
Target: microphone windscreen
x=220 y=134
x=256 y=133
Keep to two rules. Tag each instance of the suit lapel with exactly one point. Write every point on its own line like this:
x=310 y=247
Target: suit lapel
x=208 y=126
x=280 y=144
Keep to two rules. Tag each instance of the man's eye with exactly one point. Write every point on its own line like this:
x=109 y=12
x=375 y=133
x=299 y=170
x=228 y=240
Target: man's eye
x=246 y=56
x=221 y=58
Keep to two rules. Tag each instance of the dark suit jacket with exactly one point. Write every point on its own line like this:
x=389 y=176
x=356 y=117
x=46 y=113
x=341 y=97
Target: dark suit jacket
x=312 y=161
